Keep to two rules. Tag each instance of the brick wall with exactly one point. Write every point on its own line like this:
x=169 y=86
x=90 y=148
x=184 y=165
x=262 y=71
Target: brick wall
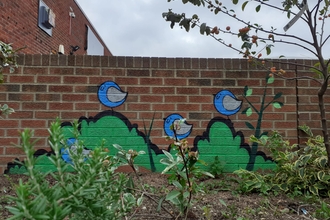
x=48 y=86
x=19 y=26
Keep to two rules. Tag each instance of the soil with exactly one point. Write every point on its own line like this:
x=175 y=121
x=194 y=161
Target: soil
x=220 y=200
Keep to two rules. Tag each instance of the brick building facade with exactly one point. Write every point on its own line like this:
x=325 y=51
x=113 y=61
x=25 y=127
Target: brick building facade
x=22 y=24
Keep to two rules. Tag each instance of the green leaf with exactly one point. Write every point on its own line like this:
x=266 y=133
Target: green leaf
x=244 y=111
x=270 y=80
x=245 y=89
x=301 y=172
x=223 y=202
x=249 y=112
x=168 y=155
x=320 y=175
x=244 y=4
x=288 y=14
x=206 y=174
x=139 y=201
x=177 y=184
x=313 y=190
x=278 y=95
x=202 y=28
x=305 y=158
x=118 y=147
x=249 y=92
x=207 y=30
x=185 y=23
x=172 y=195
x=160 y=204
x=249 y=125
x=186 y=195
x=165 y=161
x=268 y=50
x=284 y=187
x=277 y=105
x=323 y=162
x=264 y=134
x=235 y=2
x=258 y=8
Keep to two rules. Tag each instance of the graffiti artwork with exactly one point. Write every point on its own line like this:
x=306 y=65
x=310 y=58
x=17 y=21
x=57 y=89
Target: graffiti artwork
x=110 y=127
x=226 y=103
x=260 y=112
x=219 y=140
x=110 y=94
x=183 y=132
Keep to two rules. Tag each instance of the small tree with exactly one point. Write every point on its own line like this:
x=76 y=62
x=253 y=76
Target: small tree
x=256 y=39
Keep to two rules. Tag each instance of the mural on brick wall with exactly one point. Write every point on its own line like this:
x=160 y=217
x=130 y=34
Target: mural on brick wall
x=111 y=95
x=226 y=103
x=219 y=140
x=252 y=109
x=183 y=132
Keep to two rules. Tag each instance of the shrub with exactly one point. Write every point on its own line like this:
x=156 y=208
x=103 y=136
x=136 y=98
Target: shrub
x=299 y=170
x=92 y=191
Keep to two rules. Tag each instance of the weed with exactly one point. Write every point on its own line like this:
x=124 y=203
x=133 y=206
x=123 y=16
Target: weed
x=323 y=212
x=216 y=168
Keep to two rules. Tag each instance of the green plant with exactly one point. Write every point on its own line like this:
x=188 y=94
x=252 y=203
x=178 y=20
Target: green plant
x=269 y=79
x=216 y=167
x=230 y=212
x=148 y=133
x=92 y=191
x=184 y=172
x=253 y=182
x=299 y=170
x=207 y=212
x=7 y=58
x=5 y=110
x=127 y=157
x=323 y=212
x=257 y=36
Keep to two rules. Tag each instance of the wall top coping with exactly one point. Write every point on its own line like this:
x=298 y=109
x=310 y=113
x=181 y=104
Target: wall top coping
x=152 y=62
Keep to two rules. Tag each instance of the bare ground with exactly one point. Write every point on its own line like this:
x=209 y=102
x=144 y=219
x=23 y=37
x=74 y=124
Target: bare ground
x=220 y=200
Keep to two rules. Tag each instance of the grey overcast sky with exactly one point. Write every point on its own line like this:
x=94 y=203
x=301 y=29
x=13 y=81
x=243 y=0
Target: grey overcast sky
x=137 y=28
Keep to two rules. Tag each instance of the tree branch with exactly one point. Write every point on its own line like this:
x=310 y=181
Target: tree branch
x=256 y=28
x=280 y=9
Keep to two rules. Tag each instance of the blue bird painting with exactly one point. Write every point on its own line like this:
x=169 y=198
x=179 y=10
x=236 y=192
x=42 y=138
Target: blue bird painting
x=183 y=132
x=226 y=103
x=111 y=95
x=71 y=142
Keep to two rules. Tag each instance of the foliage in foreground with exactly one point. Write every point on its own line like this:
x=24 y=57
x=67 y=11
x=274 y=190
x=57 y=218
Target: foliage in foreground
x=184 y=172
x=93 y=191
x=258 y=35
x=7 y=59
x=299 y=170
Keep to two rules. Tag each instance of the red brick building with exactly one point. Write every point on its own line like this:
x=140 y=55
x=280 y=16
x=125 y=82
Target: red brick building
x=41 y=26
